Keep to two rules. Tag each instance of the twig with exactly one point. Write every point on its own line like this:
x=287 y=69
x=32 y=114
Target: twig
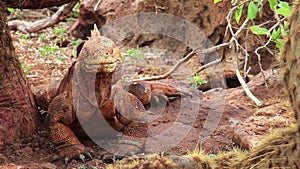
x=265 y=46
x=234 y=35
x=33 y=76
x=237 y=45
x=260 y=41
x=185 y=59
x=265 y=23
x=214 y=48
x=97 y=5
x=259 y=58
x=246 y=56
x=207 y=65
x=244 y=85
x=163 y=76
x=30 y=27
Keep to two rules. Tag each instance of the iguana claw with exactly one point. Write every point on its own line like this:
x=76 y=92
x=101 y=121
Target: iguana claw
x=81 y=157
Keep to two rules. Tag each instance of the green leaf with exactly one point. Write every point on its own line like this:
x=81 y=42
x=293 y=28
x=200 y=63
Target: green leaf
x=77 y=42
x=284 y=9
x=273 y=4
x=77 y=6
x=252 y=10
x=284 y=4
x=59 y=31
x=43 y=36
x=238 y=13
x=259 y=30
x=212 y=156
x=11 y=10
x=25 y=36
x=217 y=1
x=276 y=33
x=76 y=15
x=198 y=81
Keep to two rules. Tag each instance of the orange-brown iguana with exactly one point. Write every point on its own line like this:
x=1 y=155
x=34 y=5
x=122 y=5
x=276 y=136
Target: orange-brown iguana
x=86 y=93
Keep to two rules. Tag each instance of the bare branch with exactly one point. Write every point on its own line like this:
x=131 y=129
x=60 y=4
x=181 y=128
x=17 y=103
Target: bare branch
x=244 y=85
x=259 y=58
x=207 y=65
x=178 y=64
x=265 y=46
x=237 y=33
x=246 y=56
x=185 y=59
x=97 y=5
x=29 y=27
x=237 y=45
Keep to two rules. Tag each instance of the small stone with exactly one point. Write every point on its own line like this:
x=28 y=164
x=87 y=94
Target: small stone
x=36 y=144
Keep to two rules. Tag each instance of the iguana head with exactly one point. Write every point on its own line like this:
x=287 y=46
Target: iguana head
x=99 y=54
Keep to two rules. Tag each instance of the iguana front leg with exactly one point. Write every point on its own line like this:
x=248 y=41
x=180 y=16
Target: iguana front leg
x=130 y=112
x=129 y=100
x=45 y=94
x=61 y=115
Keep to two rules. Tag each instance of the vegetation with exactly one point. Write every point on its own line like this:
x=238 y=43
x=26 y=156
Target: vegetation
x=48 y=50
x=197 y=81
x=27 y=68
x=25 y=36
x=249 y=11
x=135 y=54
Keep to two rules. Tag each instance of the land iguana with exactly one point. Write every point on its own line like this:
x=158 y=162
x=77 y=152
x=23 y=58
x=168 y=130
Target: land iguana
x=86 y=93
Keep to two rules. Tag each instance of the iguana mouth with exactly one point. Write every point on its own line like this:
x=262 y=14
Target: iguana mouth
x=104 y=67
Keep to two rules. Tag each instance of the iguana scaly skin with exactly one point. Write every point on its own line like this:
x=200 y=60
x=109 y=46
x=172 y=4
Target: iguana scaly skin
x=86 y=91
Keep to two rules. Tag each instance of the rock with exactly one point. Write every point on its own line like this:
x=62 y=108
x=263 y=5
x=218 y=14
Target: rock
x=208 y=17
x=196 y=12
x=249 y=132
x=183 y=162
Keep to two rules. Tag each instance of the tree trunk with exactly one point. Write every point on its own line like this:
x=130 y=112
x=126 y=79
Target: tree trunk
x=291 y=58
x=18 y=112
